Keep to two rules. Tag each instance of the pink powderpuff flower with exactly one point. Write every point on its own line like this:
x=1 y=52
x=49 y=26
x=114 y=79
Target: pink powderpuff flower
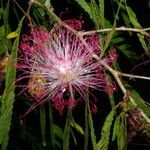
x=59 y=67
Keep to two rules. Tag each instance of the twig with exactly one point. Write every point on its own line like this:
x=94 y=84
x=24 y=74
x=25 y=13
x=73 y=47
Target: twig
x=116 y=76
x=142 y=31
x=133 y=76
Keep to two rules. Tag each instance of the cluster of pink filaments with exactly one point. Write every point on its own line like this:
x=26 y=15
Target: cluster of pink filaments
x=57 y=63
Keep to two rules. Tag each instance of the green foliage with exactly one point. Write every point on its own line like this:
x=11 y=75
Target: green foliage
x=43 y=123
x=8 y=96
x=139 y=102
x=67 y=130
x=119 y=131
x=77 y=127
x=135 y=23
x=121 y=45
x=106 y=129
x=91 y=126
x=85 y=6
x=2 y=40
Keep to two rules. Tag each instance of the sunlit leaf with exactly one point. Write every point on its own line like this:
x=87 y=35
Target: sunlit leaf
x=12 y=35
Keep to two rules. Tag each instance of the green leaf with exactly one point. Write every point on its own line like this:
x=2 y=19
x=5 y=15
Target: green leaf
x=12 y=35
x=43 y=123
x=8 y=96
x=2 y=32
x=139 y=102
x=58 y=131
x=116 y=128
x=122 y=133
x=2 y=46
x=129 y=54
x=48 y=3
x=117 y=40
x=91 y=126
x=74 y=138
x=136 y=24
x=96 y=15
x=124 y=46
x=67 y=131
x=119 y=131
x=120 y=44
x=132 y=17
x=86 y=135
x=105 y=134
x=85 y=6
x=102 y=17
x=112 y=32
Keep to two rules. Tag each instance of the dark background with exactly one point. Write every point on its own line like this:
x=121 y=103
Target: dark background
x=23 y=135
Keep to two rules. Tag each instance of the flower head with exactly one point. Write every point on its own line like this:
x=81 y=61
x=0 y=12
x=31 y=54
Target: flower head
x=59 y=66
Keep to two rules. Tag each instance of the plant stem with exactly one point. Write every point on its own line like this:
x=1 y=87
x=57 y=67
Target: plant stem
x=142 y=31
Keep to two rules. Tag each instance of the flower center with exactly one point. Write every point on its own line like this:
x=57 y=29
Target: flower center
x=67 y=73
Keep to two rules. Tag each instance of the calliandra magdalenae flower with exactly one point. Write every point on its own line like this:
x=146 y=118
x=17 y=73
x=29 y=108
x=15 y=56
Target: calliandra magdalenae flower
x=59 y=66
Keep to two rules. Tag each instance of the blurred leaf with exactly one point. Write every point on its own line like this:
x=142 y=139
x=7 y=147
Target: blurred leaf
x=2 y=46
x=12 y=35
x=2 y=40
x=117 y=40
x=74 y=138
x=105 y=134
x=124 y=46
x=1 y=13
x=102 y=17
x=91 y=126
x=86 y=135
x=41 y=11
x=121 y=45
x=77 y=127
x=58 y=131
x=67 y=130
x=2 y=32
x=43 y=123
x=129 y=54
x=48 y=3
